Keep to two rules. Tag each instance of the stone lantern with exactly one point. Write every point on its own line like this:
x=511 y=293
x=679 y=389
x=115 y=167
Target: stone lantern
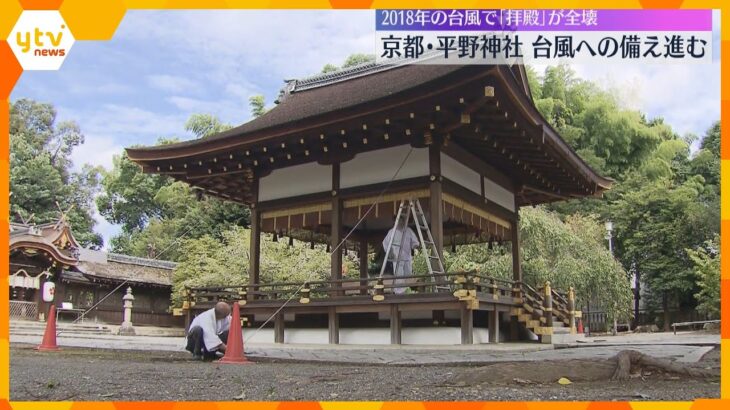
x=127 y=328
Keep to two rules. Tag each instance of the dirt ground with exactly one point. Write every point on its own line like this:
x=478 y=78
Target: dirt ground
x=81 y=374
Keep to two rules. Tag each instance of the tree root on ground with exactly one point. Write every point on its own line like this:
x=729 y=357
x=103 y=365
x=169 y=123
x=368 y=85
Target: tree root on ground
x=625 y=359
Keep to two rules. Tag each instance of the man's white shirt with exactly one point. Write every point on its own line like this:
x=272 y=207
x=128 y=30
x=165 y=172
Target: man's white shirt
x=211 y=327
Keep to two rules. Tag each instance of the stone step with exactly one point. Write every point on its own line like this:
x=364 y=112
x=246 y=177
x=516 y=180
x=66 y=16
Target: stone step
x=37 y=324
x=33 y=328
x=562 y=338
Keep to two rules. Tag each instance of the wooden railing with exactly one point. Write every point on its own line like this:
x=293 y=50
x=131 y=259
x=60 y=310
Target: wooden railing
x=546 y=303
x=320 y=289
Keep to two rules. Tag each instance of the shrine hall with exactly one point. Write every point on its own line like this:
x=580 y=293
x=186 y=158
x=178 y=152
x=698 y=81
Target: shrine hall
x=332 y=160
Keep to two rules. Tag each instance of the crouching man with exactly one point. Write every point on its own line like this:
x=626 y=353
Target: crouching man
x=208 y=332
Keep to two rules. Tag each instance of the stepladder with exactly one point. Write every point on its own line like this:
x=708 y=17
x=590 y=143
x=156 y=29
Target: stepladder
x=397 y=250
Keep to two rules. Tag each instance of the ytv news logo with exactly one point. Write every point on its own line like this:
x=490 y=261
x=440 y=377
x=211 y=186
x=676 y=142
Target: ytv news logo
x=40 y=40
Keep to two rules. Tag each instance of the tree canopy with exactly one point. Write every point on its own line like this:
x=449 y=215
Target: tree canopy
x=209 y=261
x=42 y=177
x=568 y=251
x=666 y=197
x=351 y=60
x=156 y=212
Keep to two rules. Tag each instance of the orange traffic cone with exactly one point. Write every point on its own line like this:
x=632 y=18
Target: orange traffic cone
x=234 y=344
x=580 y=326
x=49 y=337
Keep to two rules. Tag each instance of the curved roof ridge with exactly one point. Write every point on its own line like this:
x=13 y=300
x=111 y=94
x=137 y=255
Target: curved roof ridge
x=341 y=74
x=358 y=70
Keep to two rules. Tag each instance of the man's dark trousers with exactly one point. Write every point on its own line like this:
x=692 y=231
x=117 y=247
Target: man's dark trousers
x=196 y=344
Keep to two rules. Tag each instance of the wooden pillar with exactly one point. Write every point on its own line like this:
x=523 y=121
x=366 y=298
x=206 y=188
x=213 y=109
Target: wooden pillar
x=514 y=330
x=363 y=265
x=516 y=267
x=436 y=206
x=336 y=233
x=255 y=245
x=493 y=323
x=279 y=328
x=467 y=325
x=333 y=325
x=395 y=325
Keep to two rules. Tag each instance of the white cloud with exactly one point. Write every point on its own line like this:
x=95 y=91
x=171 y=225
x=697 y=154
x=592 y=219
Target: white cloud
x=96 y=150
x=172 y=83
x=226 y=110
x=125 y=121
x=242 y=90
x=278 y=43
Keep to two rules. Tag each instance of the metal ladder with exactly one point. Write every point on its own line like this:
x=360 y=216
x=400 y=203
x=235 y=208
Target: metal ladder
x=412 y=207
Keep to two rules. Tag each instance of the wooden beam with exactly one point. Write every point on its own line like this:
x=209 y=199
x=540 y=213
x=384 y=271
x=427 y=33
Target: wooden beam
x=395 y=325
x=546 y=193
x=456 y=151
x=333 y=324
x=452 y=188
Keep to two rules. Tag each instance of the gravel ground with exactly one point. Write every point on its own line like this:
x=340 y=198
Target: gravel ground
x=80 y=374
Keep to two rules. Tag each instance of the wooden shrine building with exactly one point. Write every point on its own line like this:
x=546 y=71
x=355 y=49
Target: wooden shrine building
x=467 y=141
x=83 y=279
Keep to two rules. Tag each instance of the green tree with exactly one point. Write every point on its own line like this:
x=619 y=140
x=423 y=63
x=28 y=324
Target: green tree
x=706 y=260
x=351 y=60
x=706 y=160
x=258 y=105
x=654 y=225
x=328 y=68
x=356 y=59
x=610 y=138
x=128 y=194
x=156 y=212
x=204 y=125
x=566 y=253
x=41 y=174
x=209 y=261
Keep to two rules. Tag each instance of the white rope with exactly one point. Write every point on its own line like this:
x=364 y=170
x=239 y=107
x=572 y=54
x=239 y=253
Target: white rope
x=336 y=248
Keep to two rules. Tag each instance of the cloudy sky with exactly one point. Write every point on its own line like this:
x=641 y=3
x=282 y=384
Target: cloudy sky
x=162 y=66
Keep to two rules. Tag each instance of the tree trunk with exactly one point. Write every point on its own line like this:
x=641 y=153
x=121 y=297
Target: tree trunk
x=626 y=358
